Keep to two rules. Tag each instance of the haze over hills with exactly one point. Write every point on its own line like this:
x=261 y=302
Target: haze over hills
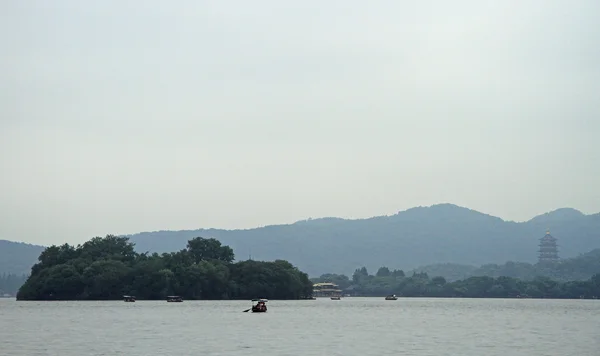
x=17 y=257
x=443 y=233
x=412 y=239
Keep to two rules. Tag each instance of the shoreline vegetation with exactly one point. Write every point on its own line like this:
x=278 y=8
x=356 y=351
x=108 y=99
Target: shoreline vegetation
x=386 y=282
x=107 y=268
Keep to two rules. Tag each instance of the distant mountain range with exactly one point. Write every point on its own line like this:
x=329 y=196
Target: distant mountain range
x=17 y=257
x=416 y=237
x=443 y=233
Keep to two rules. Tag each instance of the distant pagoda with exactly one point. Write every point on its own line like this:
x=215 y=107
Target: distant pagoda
x=548 y=249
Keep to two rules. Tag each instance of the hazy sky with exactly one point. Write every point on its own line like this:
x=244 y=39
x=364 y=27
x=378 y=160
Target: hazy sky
x=128 y=116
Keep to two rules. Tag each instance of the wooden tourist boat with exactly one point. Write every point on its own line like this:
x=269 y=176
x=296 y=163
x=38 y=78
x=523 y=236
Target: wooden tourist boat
x=260 y=307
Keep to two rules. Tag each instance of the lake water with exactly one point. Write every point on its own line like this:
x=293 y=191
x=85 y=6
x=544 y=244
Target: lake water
x=351 y=326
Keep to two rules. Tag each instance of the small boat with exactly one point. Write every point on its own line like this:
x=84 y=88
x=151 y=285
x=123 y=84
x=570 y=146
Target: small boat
x=174 y=299
x=260 y=307
x=129 y=298
x=336 y=298
x=391 y=297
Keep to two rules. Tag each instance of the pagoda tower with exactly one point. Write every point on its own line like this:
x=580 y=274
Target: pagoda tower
x=548 y=249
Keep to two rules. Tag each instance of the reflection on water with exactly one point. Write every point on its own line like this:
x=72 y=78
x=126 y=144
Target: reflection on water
x=351 y=326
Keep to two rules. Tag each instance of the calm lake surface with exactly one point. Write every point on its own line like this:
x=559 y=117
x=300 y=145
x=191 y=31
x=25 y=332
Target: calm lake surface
x=351 y=326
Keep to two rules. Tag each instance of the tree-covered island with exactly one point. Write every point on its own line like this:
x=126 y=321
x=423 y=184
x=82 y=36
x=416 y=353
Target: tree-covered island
x=108 y=268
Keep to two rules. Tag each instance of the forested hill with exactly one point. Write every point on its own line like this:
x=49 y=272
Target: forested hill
x=17 y=258
x=577 y=268
x=443 y=233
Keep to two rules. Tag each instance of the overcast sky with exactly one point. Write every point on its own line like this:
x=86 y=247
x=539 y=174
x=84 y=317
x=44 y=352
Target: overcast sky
x=128 y=116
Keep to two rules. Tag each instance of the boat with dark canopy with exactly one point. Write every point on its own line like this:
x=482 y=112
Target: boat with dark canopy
x=174 y=299
x=260 y=307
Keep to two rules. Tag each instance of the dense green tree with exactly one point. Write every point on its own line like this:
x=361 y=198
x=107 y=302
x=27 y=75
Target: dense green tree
x=360 y=274
x=108 y=268
x=202 y=249
x=104 y=279
x=276 y=279
x=438 y=281
x=397 y=273
x=111 y=247
x=383 y=272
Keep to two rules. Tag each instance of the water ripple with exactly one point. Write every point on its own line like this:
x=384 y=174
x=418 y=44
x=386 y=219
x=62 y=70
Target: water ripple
x=352 y=326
